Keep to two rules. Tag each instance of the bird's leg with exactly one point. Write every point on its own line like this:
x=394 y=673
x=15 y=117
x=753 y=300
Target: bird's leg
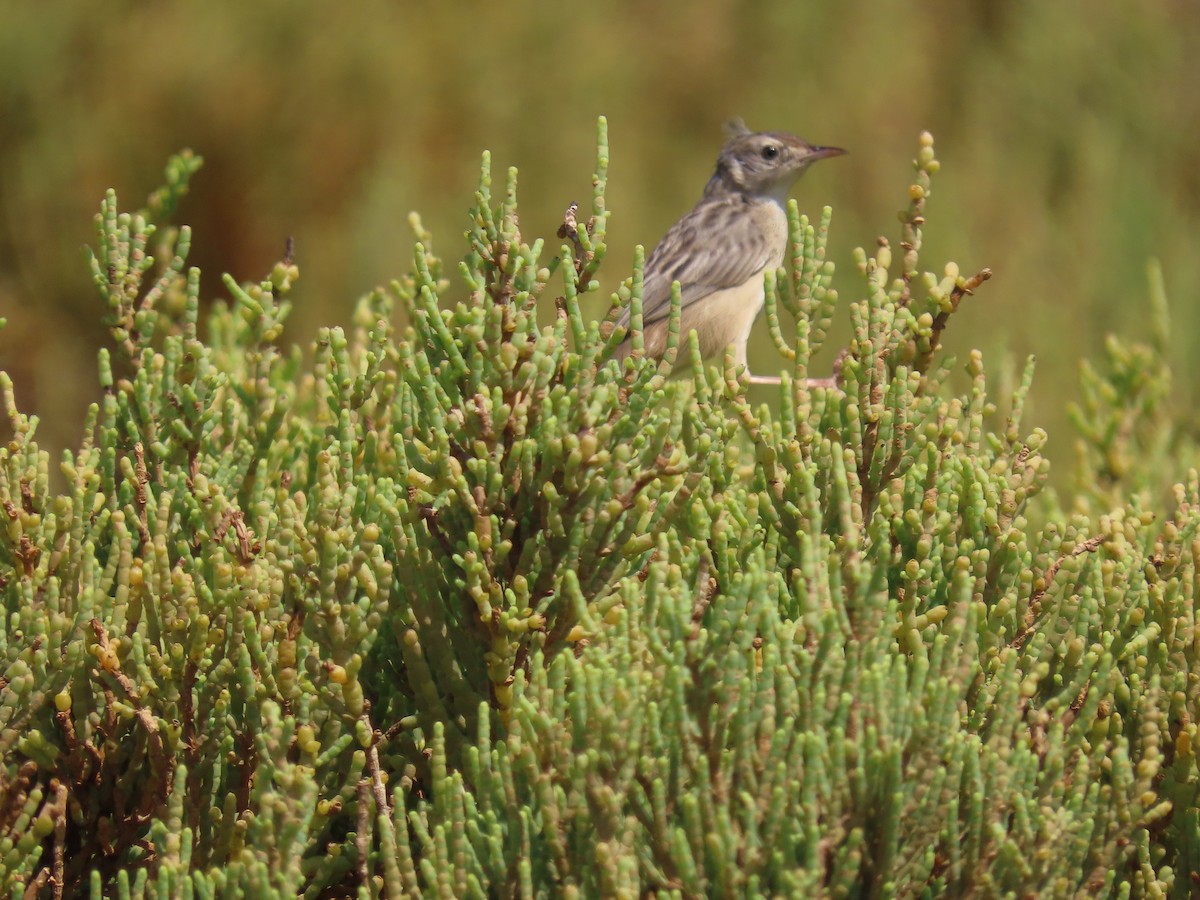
x=740 y=363
x=827 y=383
x=762 y=379
x=830 y=384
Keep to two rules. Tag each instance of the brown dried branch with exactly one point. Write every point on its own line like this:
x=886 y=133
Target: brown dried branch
x=967 y=288
x=569 y=230
x=1035 y=601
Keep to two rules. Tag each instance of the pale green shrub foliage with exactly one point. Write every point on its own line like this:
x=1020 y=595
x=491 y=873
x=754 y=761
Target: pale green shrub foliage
x=458 y=605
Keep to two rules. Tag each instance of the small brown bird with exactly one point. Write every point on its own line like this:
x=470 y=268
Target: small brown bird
x=719 y=251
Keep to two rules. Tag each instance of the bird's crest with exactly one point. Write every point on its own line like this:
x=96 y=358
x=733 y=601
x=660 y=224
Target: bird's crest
x=736 y=127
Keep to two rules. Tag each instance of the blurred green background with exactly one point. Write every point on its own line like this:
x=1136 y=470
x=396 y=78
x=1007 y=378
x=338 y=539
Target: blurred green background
x=1067 y=130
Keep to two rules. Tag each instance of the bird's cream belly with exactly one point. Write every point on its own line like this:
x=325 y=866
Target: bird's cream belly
x=724 y=317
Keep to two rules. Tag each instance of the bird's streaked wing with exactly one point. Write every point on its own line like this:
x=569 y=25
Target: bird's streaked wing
x=715 y=246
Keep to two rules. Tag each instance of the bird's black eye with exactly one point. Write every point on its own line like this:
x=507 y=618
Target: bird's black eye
x=770 y=151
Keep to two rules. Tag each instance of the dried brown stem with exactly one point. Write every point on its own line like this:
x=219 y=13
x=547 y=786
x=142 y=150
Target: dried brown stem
x=1035 y=600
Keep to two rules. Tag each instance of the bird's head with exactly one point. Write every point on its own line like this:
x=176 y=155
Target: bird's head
x=762 y=163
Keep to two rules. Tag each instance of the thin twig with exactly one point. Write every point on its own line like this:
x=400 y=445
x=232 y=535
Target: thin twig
x=967 y=288
x=1035 y=600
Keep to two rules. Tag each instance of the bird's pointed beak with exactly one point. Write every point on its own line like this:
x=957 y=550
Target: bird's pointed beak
x=815 y=153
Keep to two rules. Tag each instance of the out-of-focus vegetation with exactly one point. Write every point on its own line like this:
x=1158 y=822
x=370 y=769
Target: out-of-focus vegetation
x=1066 y=130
